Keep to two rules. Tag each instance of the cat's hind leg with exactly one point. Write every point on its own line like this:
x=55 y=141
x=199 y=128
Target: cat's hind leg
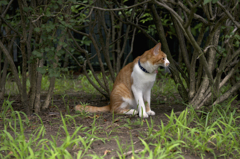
x=125 y=108
x=122 y=100
x=128 y=111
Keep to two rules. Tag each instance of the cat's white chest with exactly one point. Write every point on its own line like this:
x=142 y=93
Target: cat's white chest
x=142 y=80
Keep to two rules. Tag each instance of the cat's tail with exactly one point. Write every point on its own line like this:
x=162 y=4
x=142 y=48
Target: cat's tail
x=92 y=109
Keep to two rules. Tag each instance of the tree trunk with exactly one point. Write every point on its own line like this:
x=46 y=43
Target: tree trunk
x=37 y=104
x=4 y=71
x=3 y=79
x=12 y=65
x=161 y=33
x=52 y=79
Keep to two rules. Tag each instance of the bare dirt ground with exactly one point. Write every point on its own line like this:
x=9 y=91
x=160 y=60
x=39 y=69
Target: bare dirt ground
x=112 y=126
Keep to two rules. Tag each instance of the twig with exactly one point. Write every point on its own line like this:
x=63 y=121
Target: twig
x=229 y=15
x=231 y=35
x=117 y=9
x=73 y=57
x=38 y=18
x=4 y=13
x=131 y=152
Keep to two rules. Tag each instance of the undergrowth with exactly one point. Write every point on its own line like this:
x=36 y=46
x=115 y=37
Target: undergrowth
x=216 y=133
x=67 y=83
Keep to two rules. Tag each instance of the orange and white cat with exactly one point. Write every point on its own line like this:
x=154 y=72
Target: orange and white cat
x=131 y=92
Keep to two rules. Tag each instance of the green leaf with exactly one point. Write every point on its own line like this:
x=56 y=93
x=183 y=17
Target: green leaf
x=48 y=13
x=193 y=31
x=37 y=54
x=214 y=1
x=206 y=1
x=3 y=2
x=237 y=44
x=37 y=30
x=60 y=2
x=41 y=70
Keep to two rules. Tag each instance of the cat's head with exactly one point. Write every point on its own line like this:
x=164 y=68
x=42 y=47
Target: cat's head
x=158 y=57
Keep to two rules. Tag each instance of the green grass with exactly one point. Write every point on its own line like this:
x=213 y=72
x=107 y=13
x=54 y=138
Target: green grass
x=66 y=83
x=216 y=132
x=63 y=84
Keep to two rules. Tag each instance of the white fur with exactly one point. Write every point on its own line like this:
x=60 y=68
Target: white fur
x=130 y=102
x=142 y=85
x=166 y=62
x=131 y=112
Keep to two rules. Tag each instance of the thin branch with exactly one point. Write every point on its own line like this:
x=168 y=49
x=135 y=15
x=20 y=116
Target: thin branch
x=130 y=52
x=117 y=9
x=231 y=35
x=92 y=83
x=10 y=26
x=196 y=16
x=88 y=61
x=227 y=94
x=73 y=57
x=79 y=32
x=228 y=14
x=193 y=8
x=5 y=11
x=178 y=18
x=38 y=18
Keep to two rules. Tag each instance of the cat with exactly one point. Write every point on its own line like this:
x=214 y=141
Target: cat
x=133 y=84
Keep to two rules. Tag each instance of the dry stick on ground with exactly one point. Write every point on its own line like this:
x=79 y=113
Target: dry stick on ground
x=131 y=152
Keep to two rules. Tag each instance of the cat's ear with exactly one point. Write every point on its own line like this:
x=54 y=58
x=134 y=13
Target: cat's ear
x=157 y=49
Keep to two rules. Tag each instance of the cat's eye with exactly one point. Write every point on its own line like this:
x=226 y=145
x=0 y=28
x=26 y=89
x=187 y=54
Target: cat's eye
x=163 y=58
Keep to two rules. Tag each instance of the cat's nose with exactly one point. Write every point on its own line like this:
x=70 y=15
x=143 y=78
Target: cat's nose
x=167 y=63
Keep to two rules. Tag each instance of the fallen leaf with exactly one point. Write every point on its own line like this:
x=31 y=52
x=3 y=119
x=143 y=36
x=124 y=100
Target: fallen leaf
x=197 y=134
x=33 y=127
x=117 y=120
x=106 y=152
x=96 y=116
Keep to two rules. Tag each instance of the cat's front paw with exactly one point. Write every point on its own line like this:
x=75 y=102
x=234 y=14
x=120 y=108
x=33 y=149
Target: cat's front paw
x=143 y=115
x=151 y=112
